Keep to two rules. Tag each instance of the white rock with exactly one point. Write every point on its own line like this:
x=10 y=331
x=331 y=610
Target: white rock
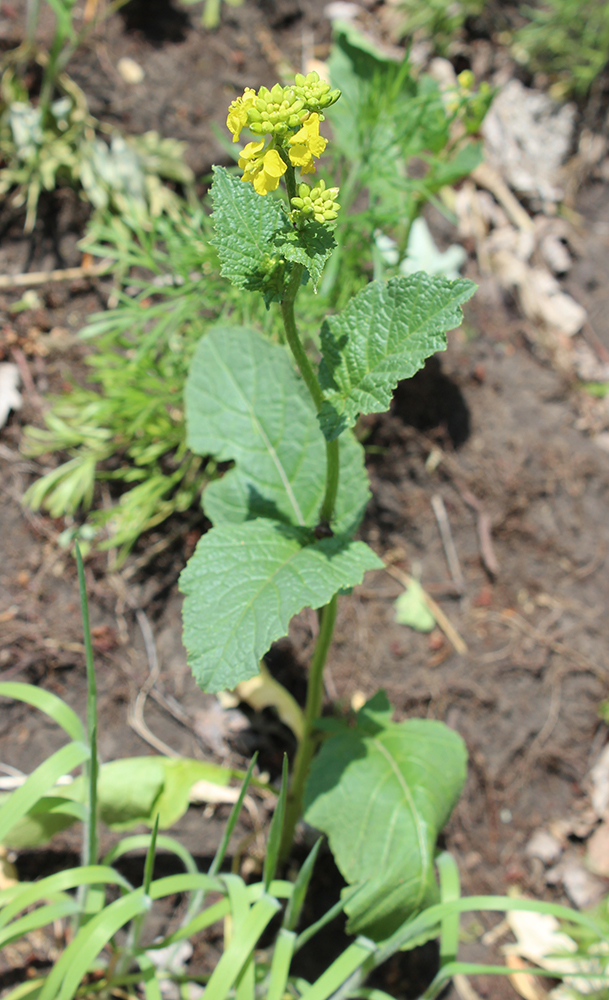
x=130 y=71
x=544 y=846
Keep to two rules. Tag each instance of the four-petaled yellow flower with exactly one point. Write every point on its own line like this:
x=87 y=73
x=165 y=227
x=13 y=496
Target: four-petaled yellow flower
x=264 y=171
x=306 y=144
x=237 y=112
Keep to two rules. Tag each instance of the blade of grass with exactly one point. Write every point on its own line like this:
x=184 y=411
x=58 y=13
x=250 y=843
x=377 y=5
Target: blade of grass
x=39 y=782
x=68 y=972
x=280 y=965
x=274 y=839
x=150 y=856
x=164 y=843
x=294 y=907
x=232 y=820
x=48 y=703
x=340 y=970
x=450 y=889
x=209 y=916
x=152 y=990
x=90 y=840
x=330 y=914
x=237 y=954
x=473 y=969
x=39 y=917
x=28 y=894
x=30 y=990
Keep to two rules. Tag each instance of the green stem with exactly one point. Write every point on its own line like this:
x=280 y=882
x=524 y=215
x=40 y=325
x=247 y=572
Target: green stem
x=306 y=370
x=90 y=837
x=306 y=749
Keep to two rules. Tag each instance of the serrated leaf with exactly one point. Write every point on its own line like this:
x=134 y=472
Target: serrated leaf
x=246 y=581
x=247 y=227
x=245 y=403
x=382 y=793
x=385 y=334
x=310 y=246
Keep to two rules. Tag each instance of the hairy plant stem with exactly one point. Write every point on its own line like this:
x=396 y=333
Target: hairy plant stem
x=327 y=614
x=306 y=749
x=304 y=365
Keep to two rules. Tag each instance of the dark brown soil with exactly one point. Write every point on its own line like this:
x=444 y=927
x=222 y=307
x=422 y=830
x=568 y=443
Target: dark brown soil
x=524 y=696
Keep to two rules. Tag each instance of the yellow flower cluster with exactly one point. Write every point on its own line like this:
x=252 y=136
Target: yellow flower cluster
x=291 y=117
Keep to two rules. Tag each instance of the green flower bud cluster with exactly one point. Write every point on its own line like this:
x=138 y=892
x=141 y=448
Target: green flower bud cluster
x=314 y=93
x=276 y=111
x=318 y=203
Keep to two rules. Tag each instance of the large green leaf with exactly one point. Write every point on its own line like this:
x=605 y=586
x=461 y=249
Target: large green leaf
x=246 y=581
x=382 y=792
x=244 y=402
x=385 y=334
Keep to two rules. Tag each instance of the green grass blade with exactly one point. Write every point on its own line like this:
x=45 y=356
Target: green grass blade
x=68 y=972
x=39 y=917
x=48 y=703
x=30 y=989
x=340 y=970
x=280 y=889
x=239 y=902
x=238 y=952
x=137 y=842
x=450 y=889
x=38 y=783
x=170 y=884
x=246 y=983
x=150 y=856
x=90 y=838
x=217 y=911
x=60 y=882
x=57 y=804
x=274 y=839
x=280 y=965
x=370 y=994
x=327 y=917
x=474 y=969
x=232 y=820
x=152 y=990
x=294 y=907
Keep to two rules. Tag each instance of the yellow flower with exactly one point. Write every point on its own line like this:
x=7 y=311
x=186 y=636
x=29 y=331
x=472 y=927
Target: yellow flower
x=261 y=171
x=306 y=144
x=237 y=112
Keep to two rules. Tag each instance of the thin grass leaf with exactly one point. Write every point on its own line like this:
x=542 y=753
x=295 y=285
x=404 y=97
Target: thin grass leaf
x=48 y=703
x=280 y=965
x=152 y=990
x=237 y=954
x=473 y=969
x=330 y=914
x=28 y=894
x=280 y=888
x=39 y=782
x=164 y=843
x=171 y=884
x=90 y=838
x=340 y=970
x=273 y=843
x=68 y=972
x=239 y=905
x=232 y=820
x=370 y=994
x=294 y=907
x=30 y=989
x=209 y=916
x=40 y=917
x=150 y=856
x=450 y=889
x=246 y=983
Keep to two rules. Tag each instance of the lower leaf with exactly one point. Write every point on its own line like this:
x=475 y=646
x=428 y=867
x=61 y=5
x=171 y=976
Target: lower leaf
x=382 y=792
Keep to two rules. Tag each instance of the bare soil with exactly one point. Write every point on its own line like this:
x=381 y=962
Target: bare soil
x=524 y=696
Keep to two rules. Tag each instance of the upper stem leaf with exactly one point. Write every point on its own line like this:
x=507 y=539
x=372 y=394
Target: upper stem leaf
x=385 y=334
